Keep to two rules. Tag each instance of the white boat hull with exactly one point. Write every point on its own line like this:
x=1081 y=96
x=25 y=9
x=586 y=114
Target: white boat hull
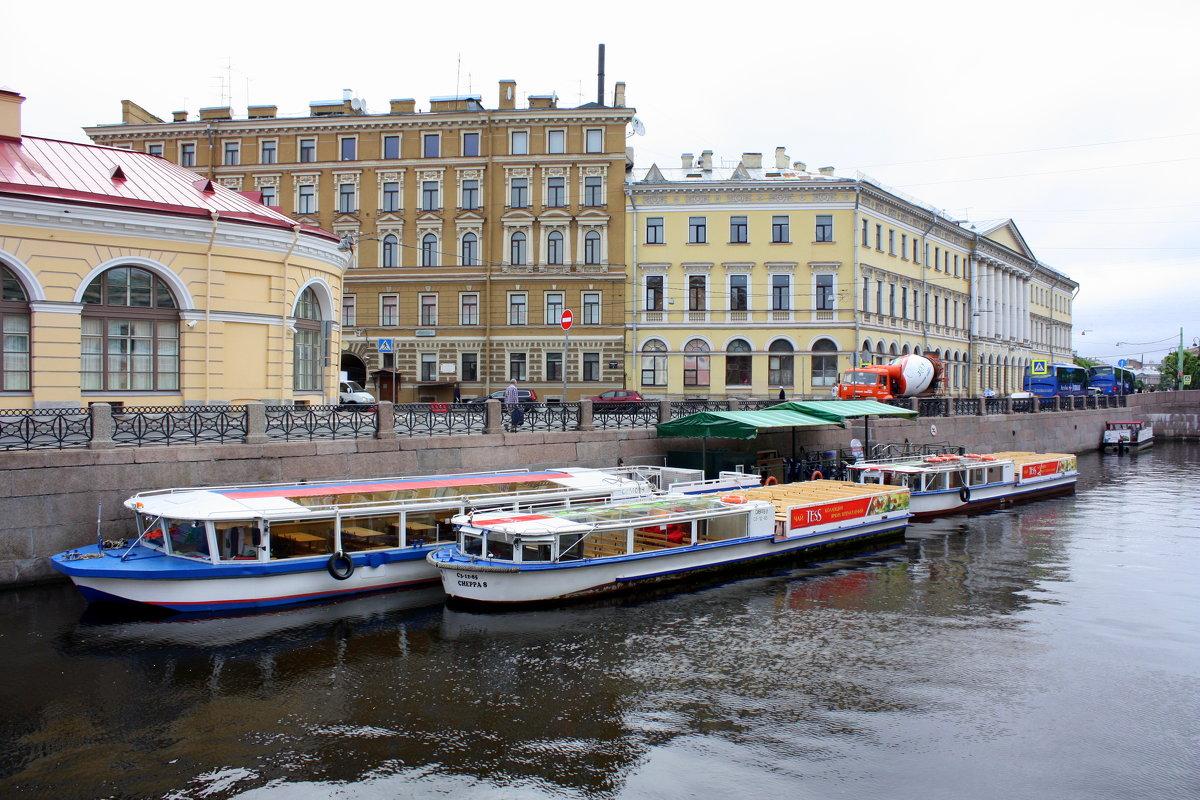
x=952 y=501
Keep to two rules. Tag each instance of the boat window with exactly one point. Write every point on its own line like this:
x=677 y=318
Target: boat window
x=188 y=538
x=472 y=544
x=958 y=479
x=422 y=528
x=299 y=539
x=570 y=547
x=370 y=533
x=154 y=531
x=237 y=541
x=995 y=474
x=499 y=546
x=732 y=526
x=535 y=552
x=978 y=476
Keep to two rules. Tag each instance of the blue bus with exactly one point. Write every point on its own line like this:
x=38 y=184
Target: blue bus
x=1110 y=380
x=1063 y=380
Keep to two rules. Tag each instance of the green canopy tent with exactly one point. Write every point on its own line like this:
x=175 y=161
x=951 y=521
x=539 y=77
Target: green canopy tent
x=839 y=411
x=737 y=425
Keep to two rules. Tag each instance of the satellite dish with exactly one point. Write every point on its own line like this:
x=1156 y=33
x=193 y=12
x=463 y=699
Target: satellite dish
x=638 y=127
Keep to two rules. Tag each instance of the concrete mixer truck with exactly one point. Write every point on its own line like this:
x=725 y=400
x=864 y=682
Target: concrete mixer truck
x=906 y=376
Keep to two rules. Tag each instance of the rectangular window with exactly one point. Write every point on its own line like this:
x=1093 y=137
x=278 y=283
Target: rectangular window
x=470 y=143
x=156 y=149
x=891 y=241
x=891 y=299
x=518 y=143
x=654 y=230
x=554 y=365
x=697 y=293
x=556 y=142
x=470 y=367
x=389 y=309
x=697 y=230
x=233 y=154
x=591 y=366
x=270 y=195
x=349 y=311
x=739 y=292
x=307 y=150
x=429 y=195
x=738 y=230
x=268 y=152
x=517 y=309
x=429 y=315
x=431 y=145
x=878 y=235
x=937 y=253
x=904 y=246
x=593 y=192
x=594 y=140
x=904 y=302
x=591 y=308
x=391 y=196
x=349 y=148
x=556 y=192
x=825 y=227
x=468 y=309
x=516 y=367
x=346 y=192
x=554 y=307
x=470 y=193
x=391 y=147
x=878 y=297
x=781 y=292
x=866 y=241
x=654 y=292
x=306 y=199
x=518 y=194
x=824 y=293
x=429 y=366
x=781 y=229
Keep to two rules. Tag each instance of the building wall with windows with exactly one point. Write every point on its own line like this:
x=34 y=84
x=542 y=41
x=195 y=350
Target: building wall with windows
x=128 y=279
x=466 y=230
x=747 y=279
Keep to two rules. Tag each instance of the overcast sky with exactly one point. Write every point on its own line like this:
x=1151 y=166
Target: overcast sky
x=1078 y=120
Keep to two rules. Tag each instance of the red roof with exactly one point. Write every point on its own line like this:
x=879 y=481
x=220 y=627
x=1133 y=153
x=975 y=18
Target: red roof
x=108 y=176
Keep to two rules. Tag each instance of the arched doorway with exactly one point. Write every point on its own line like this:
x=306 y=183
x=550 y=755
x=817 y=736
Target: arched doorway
x=354 y=368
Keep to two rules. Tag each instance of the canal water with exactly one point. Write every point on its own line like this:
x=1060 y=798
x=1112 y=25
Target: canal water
x=1051 y=650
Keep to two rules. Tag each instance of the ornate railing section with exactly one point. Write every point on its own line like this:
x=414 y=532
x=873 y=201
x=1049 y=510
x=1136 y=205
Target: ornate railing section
x=145 y=425
x=681 y=408
x=52 y=429
x=439 y=419
x=545 y=417
x=643 y=414
x=295 y=423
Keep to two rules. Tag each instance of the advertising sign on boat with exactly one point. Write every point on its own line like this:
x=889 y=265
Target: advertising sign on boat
x=806 y=516
x=1043 y=468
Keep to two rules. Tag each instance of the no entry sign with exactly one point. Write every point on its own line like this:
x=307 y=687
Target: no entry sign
x=566 y=320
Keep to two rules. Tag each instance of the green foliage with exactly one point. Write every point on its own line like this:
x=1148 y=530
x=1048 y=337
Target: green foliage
x=1080 y=361
x=1191 y=366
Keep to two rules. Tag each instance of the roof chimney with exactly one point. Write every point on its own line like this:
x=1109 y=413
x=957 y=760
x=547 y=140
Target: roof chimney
x=619 y=94
x=827 y=170
x=508 y=94
x=781 y=158
x=752 y=160
x=706 y=160
x=10 y=114
x=600 y=79
x=689 y=160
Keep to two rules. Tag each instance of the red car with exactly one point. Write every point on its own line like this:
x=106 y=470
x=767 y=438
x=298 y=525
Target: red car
x=616 y=401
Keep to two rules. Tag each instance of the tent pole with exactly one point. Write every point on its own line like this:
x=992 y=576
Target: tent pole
x=704 y=456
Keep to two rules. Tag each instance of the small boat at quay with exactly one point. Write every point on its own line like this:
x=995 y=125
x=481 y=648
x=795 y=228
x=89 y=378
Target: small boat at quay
x=560 y=553
x=949 y=484
x=1122 y=437
x=225 y=549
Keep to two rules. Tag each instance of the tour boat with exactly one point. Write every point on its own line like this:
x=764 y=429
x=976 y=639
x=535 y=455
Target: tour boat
x=559 y=553
x=948 y=484
x=1123 y=436
x=238 y=547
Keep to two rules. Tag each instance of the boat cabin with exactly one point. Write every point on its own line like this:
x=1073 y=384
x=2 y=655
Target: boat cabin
x=942 y=473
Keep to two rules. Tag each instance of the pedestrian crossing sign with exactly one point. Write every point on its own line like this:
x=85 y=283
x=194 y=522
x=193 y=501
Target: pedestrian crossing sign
x=385 y=345
x=1040 y=366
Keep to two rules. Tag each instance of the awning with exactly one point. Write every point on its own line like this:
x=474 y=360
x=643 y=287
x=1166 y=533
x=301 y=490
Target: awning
x=739 y=424
x=840 y=410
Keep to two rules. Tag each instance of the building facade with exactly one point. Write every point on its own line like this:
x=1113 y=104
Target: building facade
x=749 y=280
x=466 y=231
x=131 y=280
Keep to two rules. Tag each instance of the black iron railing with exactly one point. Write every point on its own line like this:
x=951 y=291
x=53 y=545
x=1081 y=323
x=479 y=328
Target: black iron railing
x=296 y=423
x=148 y=425
x=637 y=414
x=52 y=429
x=439 y=419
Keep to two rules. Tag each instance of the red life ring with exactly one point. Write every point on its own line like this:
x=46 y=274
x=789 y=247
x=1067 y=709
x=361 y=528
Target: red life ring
x=816 y=476
x=987 y=458
x=733 y=499
x=770 y=481
x=972 y=455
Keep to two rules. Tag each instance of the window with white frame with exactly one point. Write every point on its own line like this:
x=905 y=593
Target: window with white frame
x=469 y=369
x=429 y=366
x=556 y=141
x=429 y=196
x=697 y=293
x=654 y=363
x=156 y=149
x=470 y=193
x=696 y=368
x=655 y=286
x=469 y=250
x=129 y=336
x=518 y=308
x=781 y=229
x=349 y=311
x=556 y=192
x=308 y=343
x=824 y=363
x=268 y=151
x=346 y=198
x=517 y=366
x=429 y=250
x=307 y=150
x=233 y=154
x=391 y=147
x=270 y=195
x=654 y=230
x=554 y=247
x=518 y=193
x=389 y=309
x=431 y=145
x=781 y=292
x=592 y=248
x=554 y=307
x=739 y=363
x=187 y=154
x=591 y=366
x=518 y=143
x=591 y=308
x=306 y=199
x=554 y=362
x=348 y=148
x=593 y=140
x=739 y=292
x=517 y=248
x=429 y=310
x=390 y=255
x=825 y=293
x=780 y=364
x=391 y=196
x=468 y=309
x=470 y=143
x=593 y=191
x=824 y=230
x=697 y=230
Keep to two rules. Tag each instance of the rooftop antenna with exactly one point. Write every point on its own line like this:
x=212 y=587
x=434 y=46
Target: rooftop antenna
x=600 y=79
x=458 y=77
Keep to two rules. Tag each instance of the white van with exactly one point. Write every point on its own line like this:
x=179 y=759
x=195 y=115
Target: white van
x=350 y=393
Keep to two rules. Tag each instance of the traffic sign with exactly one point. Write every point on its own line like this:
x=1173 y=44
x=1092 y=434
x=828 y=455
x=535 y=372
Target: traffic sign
x=1122 y=363
x=384 y=345
x=566 y=320
x=1039 y=366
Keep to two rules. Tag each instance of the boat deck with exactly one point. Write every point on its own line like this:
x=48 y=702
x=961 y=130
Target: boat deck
x=1020 y=457
x=790 y=495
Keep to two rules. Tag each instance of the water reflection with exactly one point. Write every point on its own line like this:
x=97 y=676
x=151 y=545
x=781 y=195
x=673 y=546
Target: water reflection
x=964 y=661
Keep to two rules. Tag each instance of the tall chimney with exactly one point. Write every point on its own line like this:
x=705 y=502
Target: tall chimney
x=619 y=94
x=781 y=158
x=689 y=160
x=10 y=114
x=600 y=79
x=706 y=160
x=508 y=94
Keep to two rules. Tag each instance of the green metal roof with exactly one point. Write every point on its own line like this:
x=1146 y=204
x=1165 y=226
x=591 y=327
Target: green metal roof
x=840 y=410
x=739 y=424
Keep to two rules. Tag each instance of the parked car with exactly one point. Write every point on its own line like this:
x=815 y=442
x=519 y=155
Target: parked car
x=350 y=393
x=616 y=401
x=523 y=396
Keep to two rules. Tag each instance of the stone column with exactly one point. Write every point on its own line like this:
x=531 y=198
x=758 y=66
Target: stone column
x=495 y=417
x=256 y=423
x=585 y=416
x=102 y=427
x=385 y=420
x=664 y=411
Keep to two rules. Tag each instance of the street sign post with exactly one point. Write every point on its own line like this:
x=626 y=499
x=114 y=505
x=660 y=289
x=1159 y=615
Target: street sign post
x=565 y=321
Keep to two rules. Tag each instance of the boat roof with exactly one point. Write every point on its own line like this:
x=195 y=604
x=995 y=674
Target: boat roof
x=303 y=498
x=560 y=519
x=918 y=464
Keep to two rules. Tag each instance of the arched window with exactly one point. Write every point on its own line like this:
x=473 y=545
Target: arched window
x=738 y=363
x=391 y=252
x=516 y=249
x=308 y=348
x=824 y=363
x=554 y=248
x=780 y=364
x=591 y=248
x=14 y=319
x=429 y=250
x=470 y=250
x=654 y=363
x=695 y=363
x=130 y=336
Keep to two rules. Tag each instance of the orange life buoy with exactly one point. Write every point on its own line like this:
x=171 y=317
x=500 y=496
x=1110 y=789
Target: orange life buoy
x=770 y=481
x=987 y=458
x=816 y=476
x=733 y=499
x=972 y=455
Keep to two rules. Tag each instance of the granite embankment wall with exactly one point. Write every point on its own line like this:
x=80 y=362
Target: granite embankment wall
x=49 y=501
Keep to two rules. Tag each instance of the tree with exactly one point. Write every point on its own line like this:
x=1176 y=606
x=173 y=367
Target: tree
x=1191 y=366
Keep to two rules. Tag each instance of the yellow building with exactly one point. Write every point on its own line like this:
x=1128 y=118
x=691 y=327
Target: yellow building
x=130 y=280
x=753 y=279
x=467 y=230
